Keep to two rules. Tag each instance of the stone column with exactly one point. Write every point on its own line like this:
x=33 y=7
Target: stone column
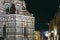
x=2 y=8
x=20 y=6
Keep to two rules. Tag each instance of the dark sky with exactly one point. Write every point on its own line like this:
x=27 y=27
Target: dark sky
x=43 y=11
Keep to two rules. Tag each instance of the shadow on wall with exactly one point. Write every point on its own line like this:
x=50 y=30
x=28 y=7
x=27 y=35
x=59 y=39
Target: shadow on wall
x=1 y=38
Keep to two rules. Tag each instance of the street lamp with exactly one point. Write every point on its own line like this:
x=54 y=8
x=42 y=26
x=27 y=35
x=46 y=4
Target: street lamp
x=46 y=33
x=52 y=31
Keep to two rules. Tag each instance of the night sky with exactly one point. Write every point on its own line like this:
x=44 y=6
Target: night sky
x=43 y=11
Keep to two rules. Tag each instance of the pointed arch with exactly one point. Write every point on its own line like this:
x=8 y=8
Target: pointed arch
x=12 y=9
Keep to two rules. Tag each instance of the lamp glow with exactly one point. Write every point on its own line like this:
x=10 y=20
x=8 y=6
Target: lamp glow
x=46 y=33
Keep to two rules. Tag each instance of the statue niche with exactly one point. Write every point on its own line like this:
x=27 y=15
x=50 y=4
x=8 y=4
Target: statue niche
x=11 y=10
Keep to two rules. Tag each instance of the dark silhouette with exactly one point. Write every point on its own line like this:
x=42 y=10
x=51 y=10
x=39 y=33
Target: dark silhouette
x=12 y=9
x=25 y=32
x=4 y=31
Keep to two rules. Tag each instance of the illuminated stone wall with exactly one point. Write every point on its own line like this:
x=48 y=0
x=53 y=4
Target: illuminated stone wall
x=15 y=24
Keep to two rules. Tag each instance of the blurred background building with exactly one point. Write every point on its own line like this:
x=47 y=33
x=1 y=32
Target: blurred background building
x=16 y=23
x=54 y=26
